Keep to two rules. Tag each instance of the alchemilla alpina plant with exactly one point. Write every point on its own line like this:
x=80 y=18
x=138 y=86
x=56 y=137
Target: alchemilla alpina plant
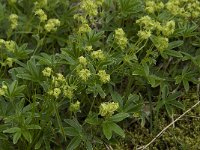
x=81 y=74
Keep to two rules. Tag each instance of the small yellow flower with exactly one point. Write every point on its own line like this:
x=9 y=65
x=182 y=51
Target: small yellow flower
x=98 y=55
x=88 y=48
x=84 y=28
x=41 y=14
x=9 y=61
x=104 y=77
x=80 y=18
x=169 y=28
x=82 y=60
x=108 y=108
x=13 y=20
x=74 y=107
x=52 y=25
x=56 y=92
x=89 y=7
x=10 y=46
x=144 y=34
x=3 y=90
x=120 y=38
x=60 y=77
x=4 y=87
x=84 y=74
x=68 y=93
x=47 y=72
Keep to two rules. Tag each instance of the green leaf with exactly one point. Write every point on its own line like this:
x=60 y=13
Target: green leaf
x=107 y=130
x=119 y=117
x=39 y=143
x=177 y=104
x=16 y=137
x=26 y=134
x=33 y=126
x=174 y=44
x=173 y=53
x=169 y=109
x=92 y=119
x=117 y=129
x=74 y=123
x=165 y=91
x=186 y=85
x=173 y=96
x=116 y=97
x=146 y=68
x=71 y=131
x=12 y=130
x=3 y=136
x=74 y=143
x=89 y=145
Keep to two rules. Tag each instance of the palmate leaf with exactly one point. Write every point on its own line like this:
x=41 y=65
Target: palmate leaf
x=45 y=59
x=107 y=130
x=109 y=127
x=170 y=103
x=129 y=7
x=118 y=130
x=30 y=71
x=74 y=143
x=16 y=137
x=14 y=90
x=71 y=131
x=27 y=135
x=119 y=117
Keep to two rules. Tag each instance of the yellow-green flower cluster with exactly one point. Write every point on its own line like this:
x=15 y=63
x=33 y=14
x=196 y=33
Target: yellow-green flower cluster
x=3 y=90
x=169 y=28
x=120 y=38
x=89 y=48
x=84 y=74
x=47 y=72
x=147 y=22
x=184 y=8
x=68 y=91
x=82 y=60
x=8 y=62
x=13 y=18
x=153 y=6
x=99 y=2
x=55 y=92
x=52 y=25
x=149 y=25
x=84 y=28
x=10 y=46
x=74 y=107
x=80 y=18
x=108 y=108
x=104 y=77
x=144 y=34
x=98 y=55
x=90 y=6
x=161 y=43
x=59 y=85
x=41 y=14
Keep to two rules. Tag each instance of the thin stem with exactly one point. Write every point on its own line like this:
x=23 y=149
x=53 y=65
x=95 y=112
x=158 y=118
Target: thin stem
x=59 y=119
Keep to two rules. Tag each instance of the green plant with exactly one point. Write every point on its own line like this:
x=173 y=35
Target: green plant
x=74 y=72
